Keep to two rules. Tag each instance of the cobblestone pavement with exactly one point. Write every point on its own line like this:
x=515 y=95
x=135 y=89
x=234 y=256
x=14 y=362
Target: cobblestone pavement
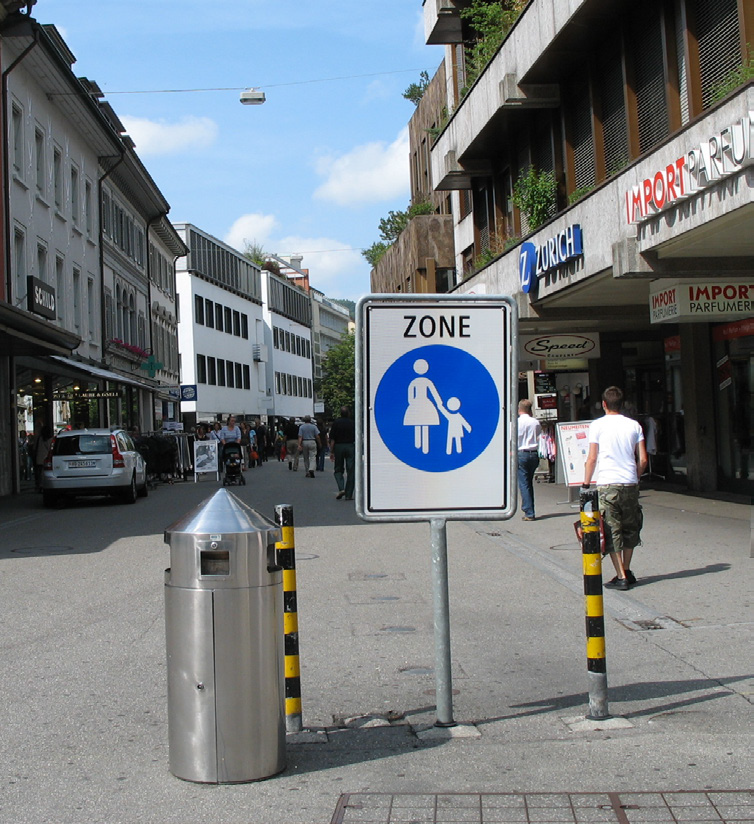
x=546 y=808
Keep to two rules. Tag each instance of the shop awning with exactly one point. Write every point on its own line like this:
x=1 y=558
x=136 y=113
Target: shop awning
x=97 y=372
x=21 y=333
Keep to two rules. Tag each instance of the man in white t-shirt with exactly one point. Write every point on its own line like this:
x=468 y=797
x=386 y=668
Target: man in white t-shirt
x=618 y=443
x=529 y=431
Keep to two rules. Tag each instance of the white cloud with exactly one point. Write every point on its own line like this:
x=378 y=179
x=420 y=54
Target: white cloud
x=158 y=137
x=334 y=268
x=369 y=173
x=254 y=228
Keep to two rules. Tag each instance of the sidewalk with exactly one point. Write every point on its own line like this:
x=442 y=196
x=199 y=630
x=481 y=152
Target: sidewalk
x=83 y=648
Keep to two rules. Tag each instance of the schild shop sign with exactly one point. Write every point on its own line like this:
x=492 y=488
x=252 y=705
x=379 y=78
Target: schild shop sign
x=40 y=298
x=700 y=300
x=719 y=156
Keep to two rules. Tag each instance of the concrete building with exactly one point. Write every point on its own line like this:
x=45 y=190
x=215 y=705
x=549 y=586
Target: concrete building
x=641 y=273
x=288 y=322
x=221 y=336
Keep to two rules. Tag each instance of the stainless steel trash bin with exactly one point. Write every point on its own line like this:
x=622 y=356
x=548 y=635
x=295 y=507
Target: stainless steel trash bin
x=225 y=644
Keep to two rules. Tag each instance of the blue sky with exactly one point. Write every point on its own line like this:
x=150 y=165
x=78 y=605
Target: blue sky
x=310 y=171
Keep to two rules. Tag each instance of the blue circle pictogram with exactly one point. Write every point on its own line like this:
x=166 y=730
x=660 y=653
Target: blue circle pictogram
x=437 y=408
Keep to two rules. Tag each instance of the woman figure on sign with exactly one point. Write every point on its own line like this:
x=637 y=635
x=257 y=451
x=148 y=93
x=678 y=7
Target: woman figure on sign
x=422 y=412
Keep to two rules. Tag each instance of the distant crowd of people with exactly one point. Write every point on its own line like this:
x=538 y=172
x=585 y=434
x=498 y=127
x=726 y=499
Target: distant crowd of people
x=309 y=441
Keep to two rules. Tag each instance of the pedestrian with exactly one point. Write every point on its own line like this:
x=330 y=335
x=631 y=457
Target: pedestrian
x=230 y=433
x=617 y=442
x=308 y=444
x=322 y=448
x=245 y=445
x=279 y=443
x=529 y=431
x=291 y=443
x=41 y=448
x=343 y=453
x=262 y=442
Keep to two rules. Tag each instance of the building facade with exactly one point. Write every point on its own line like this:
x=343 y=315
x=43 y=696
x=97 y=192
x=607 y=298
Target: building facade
x=79 y=210
x=640 y=271
x=221 y=335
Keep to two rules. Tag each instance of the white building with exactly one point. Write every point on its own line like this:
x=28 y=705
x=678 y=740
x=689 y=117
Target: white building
x=288 y=316
x=221 y=336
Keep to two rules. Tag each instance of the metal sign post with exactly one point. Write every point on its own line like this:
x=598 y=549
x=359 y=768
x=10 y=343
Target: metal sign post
x=436 y=425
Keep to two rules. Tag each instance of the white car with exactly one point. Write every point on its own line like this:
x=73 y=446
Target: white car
x=93 y=462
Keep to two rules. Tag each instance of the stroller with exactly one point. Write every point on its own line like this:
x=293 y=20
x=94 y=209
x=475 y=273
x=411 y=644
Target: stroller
x=232 y=463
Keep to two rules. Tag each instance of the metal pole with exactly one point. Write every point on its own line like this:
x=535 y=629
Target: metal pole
x=285 y=551
x=595 y=615
x=443 y=679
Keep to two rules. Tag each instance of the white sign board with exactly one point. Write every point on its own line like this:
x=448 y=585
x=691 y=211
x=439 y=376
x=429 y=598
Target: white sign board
x=205 y=458
x=573 y=448
x=435 y=419
x=700 y=300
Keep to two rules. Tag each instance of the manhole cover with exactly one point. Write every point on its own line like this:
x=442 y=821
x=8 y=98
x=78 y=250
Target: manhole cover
x=42 y=550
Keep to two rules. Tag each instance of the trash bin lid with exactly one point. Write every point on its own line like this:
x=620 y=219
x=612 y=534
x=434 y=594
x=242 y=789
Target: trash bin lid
x=221 y=513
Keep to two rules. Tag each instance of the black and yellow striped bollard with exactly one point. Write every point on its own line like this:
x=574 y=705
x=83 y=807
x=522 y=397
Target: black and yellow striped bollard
x=285 y=551
x=595 y=614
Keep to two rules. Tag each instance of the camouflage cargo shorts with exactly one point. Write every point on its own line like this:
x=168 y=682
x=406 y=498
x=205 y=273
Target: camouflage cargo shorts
x=621 y=515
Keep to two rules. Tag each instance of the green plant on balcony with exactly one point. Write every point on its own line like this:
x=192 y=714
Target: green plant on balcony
x=415 y=91
x=499 y=244
x=391 y=227
x=577 y=194
x=535 y=195
x=736 y=77
x=491 y=20
x=434 y=131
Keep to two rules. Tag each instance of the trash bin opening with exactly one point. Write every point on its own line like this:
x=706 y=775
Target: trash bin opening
x=215 y=562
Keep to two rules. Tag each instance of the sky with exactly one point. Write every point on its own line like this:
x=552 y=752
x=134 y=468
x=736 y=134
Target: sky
x=313 y=169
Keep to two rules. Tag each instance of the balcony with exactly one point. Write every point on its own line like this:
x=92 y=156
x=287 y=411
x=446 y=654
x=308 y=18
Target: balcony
x=442 y=21
x=515 y=81
x=422 y=260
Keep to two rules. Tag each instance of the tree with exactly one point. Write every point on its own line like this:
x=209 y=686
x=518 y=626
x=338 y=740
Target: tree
x=254 y=252
x=415 y=91
x=392 y=225
x=338 y=386
x=375 y=252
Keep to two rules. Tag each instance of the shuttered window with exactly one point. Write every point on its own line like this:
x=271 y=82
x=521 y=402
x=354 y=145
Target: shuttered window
x=718 y=36
x=613 y=103
x=649 y=79
x=680 y=51
x=582 y=138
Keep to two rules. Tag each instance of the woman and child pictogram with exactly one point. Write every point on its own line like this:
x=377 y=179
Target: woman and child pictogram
x=424 y=403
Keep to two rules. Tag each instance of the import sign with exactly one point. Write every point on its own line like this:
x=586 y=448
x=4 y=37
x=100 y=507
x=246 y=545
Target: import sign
x=435 y=423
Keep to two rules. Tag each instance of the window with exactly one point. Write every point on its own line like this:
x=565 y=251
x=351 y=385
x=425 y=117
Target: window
x=297 y=340
x=201 y=369
x=218 y=317
x=220 y=372
x=209 y=313
x=91 y=309
x=199 y=309
x=60 y=288
x=77 y=298
x=717 y=32
x=109 y=315
x=19 y=260
x=649 y=82
x=278 y=390
x=42 y=262
x=287 y=341
x=239 y=376
x=246 y=376
x=17 y=127
x=228 y=319
x=106 y=215
x=57 y=177
x=237 y=324
x=211 y=372
x=275 y=337
x=39 y=159
x=230 y=374
x=88 y=207
x=75 y=203
x=244 y=326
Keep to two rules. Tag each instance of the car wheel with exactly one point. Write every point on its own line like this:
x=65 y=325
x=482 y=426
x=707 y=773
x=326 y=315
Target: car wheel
x=130 y=494
x=49 y=498
x=144 y=490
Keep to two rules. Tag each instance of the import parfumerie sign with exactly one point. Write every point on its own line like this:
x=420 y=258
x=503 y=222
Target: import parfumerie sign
x=436 y=407
x=678 y=301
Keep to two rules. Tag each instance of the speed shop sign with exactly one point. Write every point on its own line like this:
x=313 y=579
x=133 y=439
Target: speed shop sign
x=436 y=421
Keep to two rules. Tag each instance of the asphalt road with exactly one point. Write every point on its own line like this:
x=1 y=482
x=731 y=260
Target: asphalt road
x=84 y=730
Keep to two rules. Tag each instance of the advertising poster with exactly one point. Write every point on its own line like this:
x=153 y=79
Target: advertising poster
x=573 y=448
x=205 y=458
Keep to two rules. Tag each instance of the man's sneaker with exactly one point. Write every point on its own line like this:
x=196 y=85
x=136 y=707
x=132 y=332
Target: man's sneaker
x=630 y=577
x=618 y=583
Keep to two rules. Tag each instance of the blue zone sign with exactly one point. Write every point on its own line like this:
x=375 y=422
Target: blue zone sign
x=534 y=261
x=436 y=407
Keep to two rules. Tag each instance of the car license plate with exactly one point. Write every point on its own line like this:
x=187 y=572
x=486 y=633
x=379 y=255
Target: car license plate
x=82 y=464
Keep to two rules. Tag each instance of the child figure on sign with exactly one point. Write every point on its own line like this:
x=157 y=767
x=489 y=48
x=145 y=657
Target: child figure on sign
x=456 y=426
